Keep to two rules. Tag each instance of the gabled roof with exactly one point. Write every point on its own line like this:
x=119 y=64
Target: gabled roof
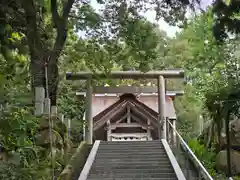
x=126 y=100
x=103 y=104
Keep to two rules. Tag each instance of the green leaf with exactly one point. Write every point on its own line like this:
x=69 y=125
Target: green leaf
x=227 y=2
x=236 y=16
x=14 y=158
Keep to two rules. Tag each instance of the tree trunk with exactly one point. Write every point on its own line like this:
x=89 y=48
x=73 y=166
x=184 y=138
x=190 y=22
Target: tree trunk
x=53 y=80
x=210 y=133
x=37 y=71
x=218 y=122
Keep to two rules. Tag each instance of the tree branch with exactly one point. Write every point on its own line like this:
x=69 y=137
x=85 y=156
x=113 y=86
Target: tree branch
x=61 y=27
x=55 y=15
x=31 y=24
x=34 y=43
x=66 y=9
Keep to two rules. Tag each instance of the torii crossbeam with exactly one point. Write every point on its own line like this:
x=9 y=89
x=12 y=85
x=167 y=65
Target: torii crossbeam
x=126 y=75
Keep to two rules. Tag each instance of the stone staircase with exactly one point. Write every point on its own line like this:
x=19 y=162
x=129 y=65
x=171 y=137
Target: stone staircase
x=131 y=160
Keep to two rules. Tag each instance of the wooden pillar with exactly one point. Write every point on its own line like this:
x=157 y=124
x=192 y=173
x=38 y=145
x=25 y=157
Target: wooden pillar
x=89 y=118
x=128 y=115
x=149 y=130
x=161 y=106
x=109 y=131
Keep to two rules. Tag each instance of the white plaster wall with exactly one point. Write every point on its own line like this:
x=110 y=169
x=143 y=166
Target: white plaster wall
x=152 y=102
x=101 y=103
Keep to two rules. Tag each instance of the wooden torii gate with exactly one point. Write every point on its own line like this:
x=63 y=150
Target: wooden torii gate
x=160 y=76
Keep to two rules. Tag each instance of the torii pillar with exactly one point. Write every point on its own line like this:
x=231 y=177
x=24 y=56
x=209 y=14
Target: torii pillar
x=161 y=107
x=89 y=117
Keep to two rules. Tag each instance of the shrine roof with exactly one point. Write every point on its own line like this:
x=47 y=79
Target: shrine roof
x=105 y=107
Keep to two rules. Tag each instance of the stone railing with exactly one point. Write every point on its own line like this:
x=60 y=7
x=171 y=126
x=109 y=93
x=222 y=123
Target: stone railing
x=76 y=163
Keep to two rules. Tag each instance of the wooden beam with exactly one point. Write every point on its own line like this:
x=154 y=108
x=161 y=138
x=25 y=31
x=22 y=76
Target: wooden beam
x=126 y=75
x=141 y=110
x=132 y=89
x=168 y=93
x=118 y=109
x=141 y=123
x=145 y=115
x=128 y=115
x=122 y=135
x=114 y=126
x=121 y=119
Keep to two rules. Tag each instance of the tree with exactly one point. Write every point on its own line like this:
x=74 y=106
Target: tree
x=227 y=18
x=46 y=27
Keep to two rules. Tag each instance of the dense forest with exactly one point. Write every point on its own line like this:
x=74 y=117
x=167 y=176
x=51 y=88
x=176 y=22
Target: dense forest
x=43 y=39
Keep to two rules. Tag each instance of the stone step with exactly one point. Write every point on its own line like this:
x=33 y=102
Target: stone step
x=125 y=153
x=104 y=170
x=139 y=163
x=130 y=147
x=132 y=166
x=170 y=178
x=136 y=150
x=131 y=142
x=132 y=175
x=133 y=150
x=131 y=154
x=129 y=160
x=132 y=159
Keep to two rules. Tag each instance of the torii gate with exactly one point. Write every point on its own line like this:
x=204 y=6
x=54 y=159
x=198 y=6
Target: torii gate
x=160 y=76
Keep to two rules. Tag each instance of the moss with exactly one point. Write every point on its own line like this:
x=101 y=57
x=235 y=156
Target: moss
x=76 y=163
x=43 y=138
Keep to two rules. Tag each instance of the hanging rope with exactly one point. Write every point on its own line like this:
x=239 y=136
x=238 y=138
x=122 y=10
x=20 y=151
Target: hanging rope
x=50 y=123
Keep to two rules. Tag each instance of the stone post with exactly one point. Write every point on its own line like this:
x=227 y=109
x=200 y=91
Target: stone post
x=54 y=111
x=39 y=101
x=61 y=117
x=47 y=106
x=173 y=132
x=69 y=128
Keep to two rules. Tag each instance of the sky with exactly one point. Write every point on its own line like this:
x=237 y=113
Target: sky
x=150 y=15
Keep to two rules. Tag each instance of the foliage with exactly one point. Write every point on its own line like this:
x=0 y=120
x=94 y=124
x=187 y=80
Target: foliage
x=21 y=158
x=227 y=18
x=206 y=156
